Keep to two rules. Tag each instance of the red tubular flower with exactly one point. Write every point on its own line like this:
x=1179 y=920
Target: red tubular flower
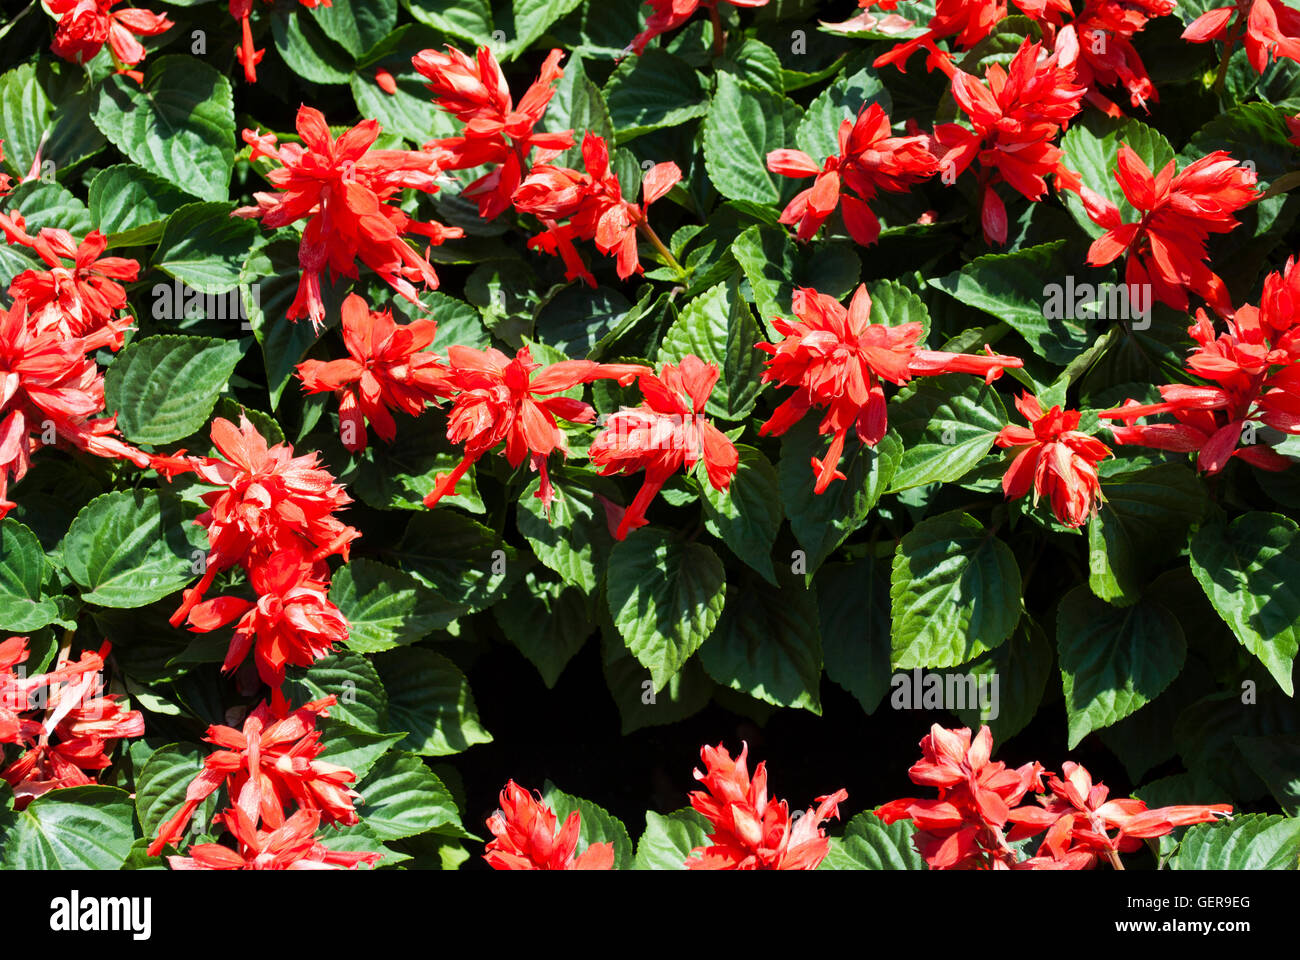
x=1053 y=458
x=1015 y=115
x=247 y=55
x=496 y=131
x=1166 y=248
x=343 y=187
x=75 y=301
x=1103 y=32
x=1254 y=369
x=967 y=21
x=86 y=25
x=671 y=14
x=290 y=846
x=270 y=501
x=269 y=764
x=1272 y=29
x=389 y=369
x=525 y=837
x=514 y=400
x=870 y=159
x=836 y=360
x=751 y=832
x=667 y=432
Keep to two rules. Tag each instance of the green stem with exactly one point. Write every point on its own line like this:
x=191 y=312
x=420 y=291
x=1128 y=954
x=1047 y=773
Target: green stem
x=648 y=232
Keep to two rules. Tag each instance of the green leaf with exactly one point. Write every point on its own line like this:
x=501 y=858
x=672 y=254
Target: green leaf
x=757 y=64
x=652 y=91
x=574 y=540
x=954 y=593
x=161 y=785
x=77 y=828
x=744 y=124
x=164 y=388
x=353 y=748
x=853 y=610
x=397 y=475
x=1092 y=149
x=204 y=247
x=819 y=132
x=775 y=265
x=688 y=691
x=947 y=425
x=1015 y=674
x=430 y=698
x=533 y=18
x=362 y=702
x=410 y=112
x=767 y=643
x=307 y=50
x=466 y=562
x=23 y=571
x=821 y=522
x=132 y=547
x=1276 y=760
x=578 y=318
x=130 y=204
x=1113 y=659
x=180 y=124
x=669 y=839
x=719 y=328
x=1246 y=842
x=386 y=607
x=598 y=825
x=748 y=515
x=33 y=122
x=1250 y=570
x=1142 y=522
x=403 y=798
x=665 y=597
x=871 y=844
x=561 y=611
x=357 y=25
x=578 y=105
x=466 y=20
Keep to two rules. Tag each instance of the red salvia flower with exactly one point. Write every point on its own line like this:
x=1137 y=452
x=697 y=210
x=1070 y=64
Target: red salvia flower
x=389 y=369
x=496 y=130
x=1103 y=32
x=247 y=55
x=525 y=839
x=384 y=80
x=500 y=399
x=1055 y=459
x=1167 y=246
x=667 y=432
x=290 y=846
x=86 y=25
x=344 y=189
x=671 y=14
x=751 y=832
x=966 y=21
x=1254 y=369
x=870 y=159
x=269 y=764
x=1015 y=115
x=838 y=361
x=1272 y=29
x=270 y=501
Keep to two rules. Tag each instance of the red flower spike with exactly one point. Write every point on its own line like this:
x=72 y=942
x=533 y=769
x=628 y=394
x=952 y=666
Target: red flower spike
x=751 y=832
x=967 y=22
x=86 y=25
x=525 y=837
x=838 y=361
x=345 y=191
x=870 y=159
x=1055 y=459
x=1272 y=29
x=389 y=369
x=667 y=432
x=290 y=846
x=1102 y=33
x=500 y=399
x=1167 y=247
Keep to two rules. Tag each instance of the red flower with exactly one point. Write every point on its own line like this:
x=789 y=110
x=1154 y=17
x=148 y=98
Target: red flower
x=1015 y=115
x=1272 y=29
x=384 y=80
x=514 y=400
x=1166 y=247
x=837 y=359
x=1055 y=459
x=389 y=369
x=75 y=301
x=671 y=14
x=344 y=188
x=751 y=832
x=968 y=21
x=270 y=501
x=1103 y=33
x=496 y=131
x=86 y=25
x=525 y=837
x=667 y=432
x=247 y=55
x=1254 y=369
x=870 y=159
x=271 y=763
x=290 y=846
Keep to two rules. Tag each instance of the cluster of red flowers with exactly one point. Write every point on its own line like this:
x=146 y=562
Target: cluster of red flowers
x=525 y=837
x=86 y=25
x=1103 y=31
x=1254 y=378
x=978 y=813
x=61 y=719
x=268 y=766
x=273 y=516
